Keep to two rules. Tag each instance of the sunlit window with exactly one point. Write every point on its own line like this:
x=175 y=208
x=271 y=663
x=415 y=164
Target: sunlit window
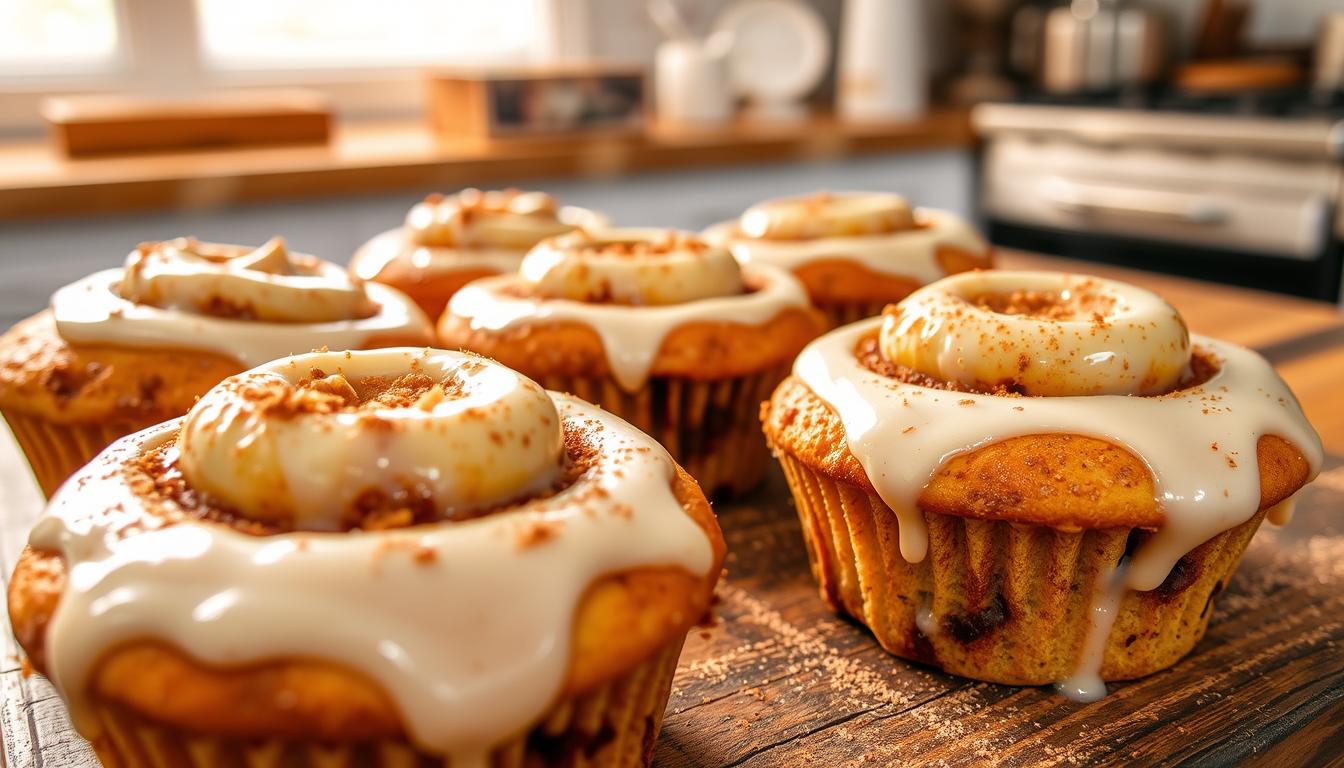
x=54 y=36
x=354 y=33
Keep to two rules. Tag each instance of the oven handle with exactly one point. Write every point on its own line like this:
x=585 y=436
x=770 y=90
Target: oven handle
x=1099 y=201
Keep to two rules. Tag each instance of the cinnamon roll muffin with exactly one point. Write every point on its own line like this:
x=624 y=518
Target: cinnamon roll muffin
x=855 y=251
x=1033 y=477
x=656 y=326
x=449 y=240
x=381 y=558
x=126 y=348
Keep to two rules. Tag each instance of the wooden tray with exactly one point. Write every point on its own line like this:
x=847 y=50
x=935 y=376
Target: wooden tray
x=782 y=681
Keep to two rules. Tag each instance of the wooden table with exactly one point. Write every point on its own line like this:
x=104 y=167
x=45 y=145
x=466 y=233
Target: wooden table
x=781 y=681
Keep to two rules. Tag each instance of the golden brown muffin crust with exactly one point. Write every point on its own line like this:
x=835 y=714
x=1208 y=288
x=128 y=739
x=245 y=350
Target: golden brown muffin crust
x=703 y=351
x=429 y=288
x=42 y=374
x=1064 y=481
x=838 y=279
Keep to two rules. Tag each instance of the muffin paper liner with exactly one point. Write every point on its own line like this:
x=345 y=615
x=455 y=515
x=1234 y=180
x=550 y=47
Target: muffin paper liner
x=711 y=428
x=845 y=313
x=614 y=726
x=999 y=601
x=56 y=450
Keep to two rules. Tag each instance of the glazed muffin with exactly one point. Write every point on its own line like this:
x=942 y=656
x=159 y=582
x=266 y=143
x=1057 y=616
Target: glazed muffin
x=382 y=558
x=1034 y=477
x=127 y=348
x=656 y=326
x=855 y=252
x=449 y=240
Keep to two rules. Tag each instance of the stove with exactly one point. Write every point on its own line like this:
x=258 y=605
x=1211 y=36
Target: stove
x=1241 y=189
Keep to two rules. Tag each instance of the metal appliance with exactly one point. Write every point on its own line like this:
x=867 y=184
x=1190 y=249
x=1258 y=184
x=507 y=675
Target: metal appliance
x=1240 y=199
x=1089 y=46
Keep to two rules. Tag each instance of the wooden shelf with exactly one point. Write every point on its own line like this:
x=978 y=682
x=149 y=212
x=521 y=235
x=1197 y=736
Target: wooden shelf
x=35 y=181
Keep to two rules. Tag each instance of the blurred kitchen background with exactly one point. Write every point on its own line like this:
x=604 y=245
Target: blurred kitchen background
x=1197 y=137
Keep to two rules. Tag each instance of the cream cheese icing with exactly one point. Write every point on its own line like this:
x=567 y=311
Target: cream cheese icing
x=644 y=267
x=267 y=283
x=466 y=667
x=1110 y=339
x=92 y=311
x=1199 y=443
x=631 y=335
x=826 y=214
x=478 y=435
x=911 y=253
x=504 y=218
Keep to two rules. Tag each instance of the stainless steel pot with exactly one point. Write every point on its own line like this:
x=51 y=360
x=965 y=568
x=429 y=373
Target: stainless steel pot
x=1328 y=74
x=1092 y=45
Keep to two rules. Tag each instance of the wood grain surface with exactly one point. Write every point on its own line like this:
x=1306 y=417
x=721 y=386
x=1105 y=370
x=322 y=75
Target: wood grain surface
x=782 y=681
x=366 y=158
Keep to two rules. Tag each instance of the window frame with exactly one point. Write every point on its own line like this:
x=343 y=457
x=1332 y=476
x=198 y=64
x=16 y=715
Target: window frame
x=159 y=51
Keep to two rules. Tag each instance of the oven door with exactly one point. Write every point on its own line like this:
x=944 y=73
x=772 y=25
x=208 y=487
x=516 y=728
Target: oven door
x=1279 y=207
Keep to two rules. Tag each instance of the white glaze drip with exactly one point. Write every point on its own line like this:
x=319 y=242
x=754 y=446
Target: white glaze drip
x=1281 y=514
x=1200 y=444
x=911 y=253
x=1085 y=684
x=631 y=336
x=901 y=433
x=472 y=646
x=91 y=311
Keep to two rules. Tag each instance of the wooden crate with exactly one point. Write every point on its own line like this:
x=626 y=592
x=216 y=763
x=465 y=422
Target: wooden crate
x=103 y=124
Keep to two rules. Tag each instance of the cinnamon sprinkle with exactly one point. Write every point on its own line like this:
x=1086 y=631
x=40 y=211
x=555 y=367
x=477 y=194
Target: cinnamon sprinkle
x=1203 y=366
x=157 y=479
x=1050 y=305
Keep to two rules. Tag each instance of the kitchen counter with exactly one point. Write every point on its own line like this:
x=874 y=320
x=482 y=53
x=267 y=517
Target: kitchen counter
x=780 y=680
x=366 y=158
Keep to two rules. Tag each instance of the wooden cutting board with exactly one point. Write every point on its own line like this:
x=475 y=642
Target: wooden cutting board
x=782 y=681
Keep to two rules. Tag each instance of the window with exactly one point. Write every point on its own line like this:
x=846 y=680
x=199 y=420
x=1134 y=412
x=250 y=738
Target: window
x=57 y=36
x=250 y=34
x=361 y=53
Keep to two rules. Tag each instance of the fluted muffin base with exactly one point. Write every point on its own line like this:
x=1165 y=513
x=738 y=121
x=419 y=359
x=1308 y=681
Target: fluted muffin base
x=56 y=450
x=614 y=726
x=709 y=427
x=844 y=313
x=998 y=601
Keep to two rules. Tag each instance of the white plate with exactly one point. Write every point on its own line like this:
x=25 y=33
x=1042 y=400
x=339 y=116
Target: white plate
x=780 y=49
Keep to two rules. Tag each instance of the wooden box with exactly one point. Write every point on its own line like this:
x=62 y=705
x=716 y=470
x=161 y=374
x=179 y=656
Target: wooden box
x=553 y=101
x=101 y=124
